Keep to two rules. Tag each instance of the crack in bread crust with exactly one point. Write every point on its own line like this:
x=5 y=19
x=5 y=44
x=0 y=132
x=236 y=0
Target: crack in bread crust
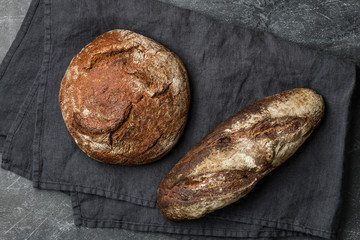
x=125 y=98
x=105 y=58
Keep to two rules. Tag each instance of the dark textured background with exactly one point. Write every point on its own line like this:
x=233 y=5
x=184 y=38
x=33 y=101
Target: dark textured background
x=330 y=25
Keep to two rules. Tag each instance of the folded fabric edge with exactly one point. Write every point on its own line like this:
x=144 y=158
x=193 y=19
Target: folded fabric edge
x=17 y=122
x=25 y=25
x=37 y=165
x=20 y=172
x=79 y=220
x=94 y=191
x=282 y=230
x=349 y=122
x=2 y=141
x=276 y=229
x=19 y=36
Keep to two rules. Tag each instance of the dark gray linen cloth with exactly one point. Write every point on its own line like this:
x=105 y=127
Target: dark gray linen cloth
x=229 y=67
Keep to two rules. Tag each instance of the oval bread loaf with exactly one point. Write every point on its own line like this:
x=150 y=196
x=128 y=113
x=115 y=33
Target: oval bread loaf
x=125 y=98
x=225 y=165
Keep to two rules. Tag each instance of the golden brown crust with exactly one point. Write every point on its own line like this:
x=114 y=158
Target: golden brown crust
x=229 y=161
x=125 y=98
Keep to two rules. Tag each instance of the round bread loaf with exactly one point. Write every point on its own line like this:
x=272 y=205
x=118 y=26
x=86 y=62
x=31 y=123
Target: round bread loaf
x=125 y=98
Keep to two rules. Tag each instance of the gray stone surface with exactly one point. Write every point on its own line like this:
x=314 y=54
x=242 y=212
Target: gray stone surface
x=332 y=25
x=11 y=16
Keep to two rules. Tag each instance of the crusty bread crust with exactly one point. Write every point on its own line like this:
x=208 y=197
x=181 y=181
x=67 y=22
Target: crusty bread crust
x=125 y=98
x=225 y=165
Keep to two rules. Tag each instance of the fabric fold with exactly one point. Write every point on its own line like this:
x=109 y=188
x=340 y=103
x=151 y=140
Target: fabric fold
x=16 y=82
